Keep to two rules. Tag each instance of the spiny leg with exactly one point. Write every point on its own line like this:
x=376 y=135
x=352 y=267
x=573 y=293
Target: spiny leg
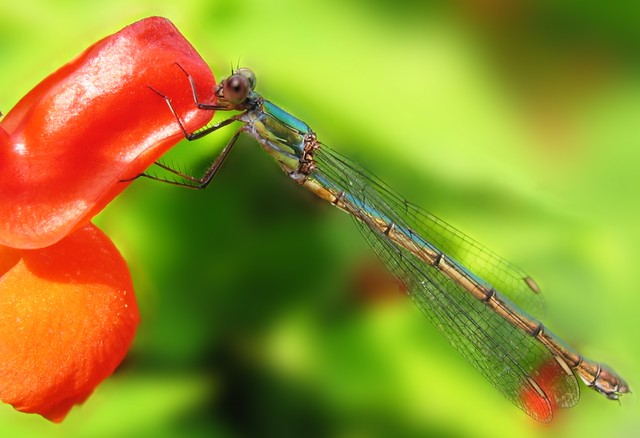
x=201 y=133
x=204 y=106
x=204 y=180
x=194 y=182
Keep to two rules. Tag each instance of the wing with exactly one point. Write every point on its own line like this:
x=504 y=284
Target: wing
x=515 y=362
x=483 y=263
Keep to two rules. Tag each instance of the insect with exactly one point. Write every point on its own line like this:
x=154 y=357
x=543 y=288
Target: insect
x=486 y=307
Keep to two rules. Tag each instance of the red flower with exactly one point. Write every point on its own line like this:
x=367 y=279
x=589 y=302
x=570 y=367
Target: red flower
x=67 y=309
x=91 y=124
x=68 y=315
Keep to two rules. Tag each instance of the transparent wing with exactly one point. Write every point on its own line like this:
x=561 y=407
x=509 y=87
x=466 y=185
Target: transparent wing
x=487 y=266
x=516 y=363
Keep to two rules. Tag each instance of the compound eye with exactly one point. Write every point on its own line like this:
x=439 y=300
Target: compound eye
x=248 y=73
x=236 y=88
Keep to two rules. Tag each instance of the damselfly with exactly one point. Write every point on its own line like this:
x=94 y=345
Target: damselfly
x=485 y=306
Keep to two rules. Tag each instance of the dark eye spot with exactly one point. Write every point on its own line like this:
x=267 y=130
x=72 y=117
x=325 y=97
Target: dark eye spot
x=236 y=89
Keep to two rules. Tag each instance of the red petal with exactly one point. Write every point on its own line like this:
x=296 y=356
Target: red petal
x=551 y=379
x=537 y=405
x=91 y=124
x=67 y=317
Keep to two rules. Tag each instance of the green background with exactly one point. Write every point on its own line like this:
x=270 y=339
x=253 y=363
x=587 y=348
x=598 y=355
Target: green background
x=517 y=122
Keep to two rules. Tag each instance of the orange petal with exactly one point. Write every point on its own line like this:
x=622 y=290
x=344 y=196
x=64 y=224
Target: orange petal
x=68 y=315
x=91 y=124
x=549 y=388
